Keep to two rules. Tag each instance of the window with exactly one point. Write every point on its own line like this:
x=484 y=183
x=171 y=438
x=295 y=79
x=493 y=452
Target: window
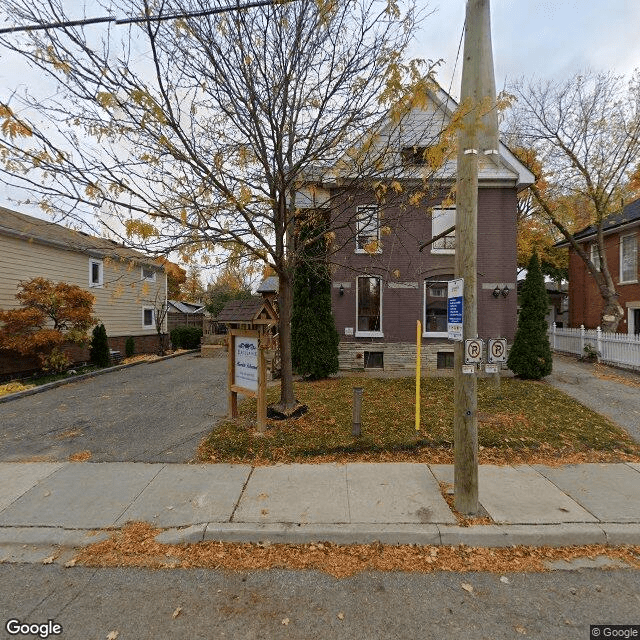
x=445 y=360
x=629 y=258
x=368 y=229
x=148 y=317
x=374 y=360
x=595 y=256
x=435 y=306
x=148 y=274
x=95 y=273
x=441 y=220
x=414 y=155
x=369 y=320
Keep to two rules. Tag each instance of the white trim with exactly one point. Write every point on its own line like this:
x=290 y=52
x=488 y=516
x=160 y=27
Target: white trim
x=100 y=283
x=635 y=279
x=152 y=278
x=439 y=250
x=368 y=334
x=368 y=207
x=153 y=318
x=425 y=333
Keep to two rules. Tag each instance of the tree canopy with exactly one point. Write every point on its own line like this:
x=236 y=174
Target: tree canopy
x=584 y=136
x=201 y=134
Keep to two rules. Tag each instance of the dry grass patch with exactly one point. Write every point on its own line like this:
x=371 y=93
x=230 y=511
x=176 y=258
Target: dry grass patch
x=135 y=546
x=527 y=422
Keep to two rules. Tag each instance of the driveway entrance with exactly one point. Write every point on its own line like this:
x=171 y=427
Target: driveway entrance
x=152 y=412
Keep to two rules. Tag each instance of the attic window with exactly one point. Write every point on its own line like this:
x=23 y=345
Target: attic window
x=95 y=273
x=148 y=274
x=414 y=156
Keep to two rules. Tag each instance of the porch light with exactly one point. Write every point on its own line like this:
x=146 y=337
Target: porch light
x=505 y=291
x=496 y=292
x=341 y=290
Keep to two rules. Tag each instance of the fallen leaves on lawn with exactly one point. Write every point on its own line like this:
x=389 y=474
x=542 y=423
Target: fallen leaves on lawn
x=14 y=387
x=135 y=546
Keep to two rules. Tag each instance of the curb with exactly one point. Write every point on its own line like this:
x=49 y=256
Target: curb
x=85 y=376
x=484 y=536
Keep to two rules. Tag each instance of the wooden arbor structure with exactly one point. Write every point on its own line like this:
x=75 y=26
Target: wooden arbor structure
x=250 y=325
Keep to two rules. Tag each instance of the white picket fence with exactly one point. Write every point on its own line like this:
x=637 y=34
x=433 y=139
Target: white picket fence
x=619 y=349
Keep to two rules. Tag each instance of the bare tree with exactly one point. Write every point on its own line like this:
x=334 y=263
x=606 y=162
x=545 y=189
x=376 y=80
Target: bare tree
x=585 y=132
x=201 y=134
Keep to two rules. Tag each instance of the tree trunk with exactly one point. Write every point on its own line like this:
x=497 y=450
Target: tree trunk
x=288 y=400
x=612 y=312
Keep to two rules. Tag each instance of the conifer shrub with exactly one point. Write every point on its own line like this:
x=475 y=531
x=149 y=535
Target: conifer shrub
x=99 y=349
x=184 y=337
x=314 y=338
x=530 y=357
x=129 y=347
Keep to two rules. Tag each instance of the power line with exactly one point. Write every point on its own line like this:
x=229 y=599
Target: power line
x=114 y=20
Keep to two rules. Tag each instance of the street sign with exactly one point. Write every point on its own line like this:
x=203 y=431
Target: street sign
x=473 y=351
x=491 y=368
x=497 y=351
x=455 y=308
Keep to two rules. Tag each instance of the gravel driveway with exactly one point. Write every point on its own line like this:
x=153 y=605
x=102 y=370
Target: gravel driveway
x=152 y=412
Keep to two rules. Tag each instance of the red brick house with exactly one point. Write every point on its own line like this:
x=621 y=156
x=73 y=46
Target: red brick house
x=621 y=233
x=377 y=296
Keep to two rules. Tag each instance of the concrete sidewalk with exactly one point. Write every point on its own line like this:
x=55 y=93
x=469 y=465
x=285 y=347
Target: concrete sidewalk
x=44 y=505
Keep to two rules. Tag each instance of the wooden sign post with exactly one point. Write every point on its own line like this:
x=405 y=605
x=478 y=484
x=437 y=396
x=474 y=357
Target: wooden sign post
x=247 y=372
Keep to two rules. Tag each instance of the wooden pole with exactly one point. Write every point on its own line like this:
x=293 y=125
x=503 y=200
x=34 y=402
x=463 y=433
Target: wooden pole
x=477 y=77
x=261 y=420
x=418 y=371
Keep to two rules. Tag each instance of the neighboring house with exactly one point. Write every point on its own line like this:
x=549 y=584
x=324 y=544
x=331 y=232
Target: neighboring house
x=621 y=233
x=127 y=285
x=378 y=295
x=184 y=314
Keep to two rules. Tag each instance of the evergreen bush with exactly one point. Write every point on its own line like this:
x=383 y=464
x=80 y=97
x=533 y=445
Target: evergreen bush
x=129 y=347
x=99 y=349
x=184 y=337
x=314 y=338
x=530 y=357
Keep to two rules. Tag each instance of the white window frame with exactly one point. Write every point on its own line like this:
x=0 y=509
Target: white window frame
x=434 y=247
x=360 y=226
x=368 y=334
x=153 y=318
x=151 y=278
x=100 y=264
x=432 y=334
x=635 y=270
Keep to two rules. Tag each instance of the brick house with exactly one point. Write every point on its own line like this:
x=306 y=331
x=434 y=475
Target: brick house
x=127 y=286
x=621 y=233
x=377 y=296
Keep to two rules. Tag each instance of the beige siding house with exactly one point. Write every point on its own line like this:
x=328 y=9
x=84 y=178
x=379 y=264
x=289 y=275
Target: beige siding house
x=127 y=285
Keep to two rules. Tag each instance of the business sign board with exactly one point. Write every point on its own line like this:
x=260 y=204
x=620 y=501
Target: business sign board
x=245 y=369
x=455 y=309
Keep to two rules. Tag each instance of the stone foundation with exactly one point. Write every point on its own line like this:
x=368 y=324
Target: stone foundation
x=397 y=356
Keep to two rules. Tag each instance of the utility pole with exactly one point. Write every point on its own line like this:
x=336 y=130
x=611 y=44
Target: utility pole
x=478 y=138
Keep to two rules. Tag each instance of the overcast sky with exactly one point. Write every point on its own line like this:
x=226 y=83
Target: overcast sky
x=547 y=39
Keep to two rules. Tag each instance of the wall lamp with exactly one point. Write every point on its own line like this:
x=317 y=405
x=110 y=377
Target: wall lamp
x=504 y=292
x=341 y=290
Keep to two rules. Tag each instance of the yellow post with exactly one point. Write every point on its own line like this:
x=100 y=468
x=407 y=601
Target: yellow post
x=418 y=370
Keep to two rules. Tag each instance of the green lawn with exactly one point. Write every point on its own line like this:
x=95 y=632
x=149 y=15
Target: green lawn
x=529 y=422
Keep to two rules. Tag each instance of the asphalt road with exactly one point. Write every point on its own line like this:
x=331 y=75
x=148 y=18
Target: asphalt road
x=152 y=412
x=140 y=604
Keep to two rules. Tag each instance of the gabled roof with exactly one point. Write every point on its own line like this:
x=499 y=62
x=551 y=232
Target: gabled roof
x=629 y=214
x=20 y=225
x=254 y=310
x=269 y=285
x=422 y=128
x=186 y=307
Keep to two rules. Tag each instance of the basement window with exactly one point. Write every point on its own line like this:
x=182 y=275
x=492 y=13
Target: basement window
x=445 y=360
x=373 y=360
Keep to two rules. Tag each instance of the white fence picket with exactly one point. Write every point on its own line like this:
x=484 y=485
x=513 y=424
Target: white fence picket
x=619 y=349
